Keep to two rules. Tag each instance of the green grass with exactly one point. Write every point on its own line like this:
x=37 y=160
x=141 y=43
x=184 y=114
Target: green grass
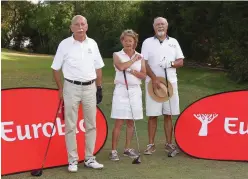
x=20 y=70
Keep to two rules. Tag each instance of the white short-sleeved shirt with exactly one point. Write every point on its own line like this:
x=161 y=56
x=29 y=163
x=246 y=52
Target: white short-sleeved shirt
x=78 y=60
x=131 y=79
x=154 y=51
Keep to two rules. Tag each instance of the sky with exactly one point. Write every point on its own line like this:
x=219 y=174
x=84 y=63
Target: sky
x=36 y=1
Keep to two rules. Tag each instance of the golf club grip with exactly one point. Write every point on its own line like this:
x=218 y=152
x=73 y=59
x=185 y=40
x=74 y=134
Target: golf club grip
x=167 y=85
x=168 y=93
x=58 y=109
x=125 y=78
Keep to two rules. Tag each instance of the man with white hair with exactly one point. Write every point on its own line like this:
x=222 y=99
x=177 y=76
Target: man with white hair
x=81 y=63
x=161 y=53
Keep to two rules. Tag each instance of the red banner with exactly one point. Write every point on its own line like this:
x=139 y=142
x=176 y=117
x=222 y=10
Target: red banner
x=27 y=120
x=215 y=127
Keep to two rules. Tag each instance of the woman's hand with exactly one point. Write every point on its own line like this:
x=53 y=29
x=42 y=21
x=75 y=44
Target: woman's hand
x=139 y=74
x=137 y=57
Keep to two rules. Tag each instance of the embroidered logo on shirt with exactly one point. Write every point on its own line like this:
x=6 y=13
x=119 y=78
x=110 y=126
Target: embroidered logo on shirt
x=89 y=51
x=172 y=45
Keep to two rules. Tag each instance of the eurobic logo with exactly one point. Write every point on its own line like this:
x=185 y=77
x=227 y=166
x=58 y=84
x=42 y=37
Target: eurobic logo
x=215 y=127
x=228 y=124
x=34 y=131
x=205 y=119
x=28 y=115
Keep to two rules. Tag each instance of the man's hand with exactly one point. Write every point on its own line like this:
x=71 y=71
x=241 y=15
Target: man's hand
x=137 y=57
x=155 y=83
x=56 y=75
x=99 y=95
x=165 y=63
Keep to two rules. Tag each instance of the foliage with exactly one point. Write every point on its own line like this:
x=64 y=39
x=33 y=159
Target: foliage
x=213 y=33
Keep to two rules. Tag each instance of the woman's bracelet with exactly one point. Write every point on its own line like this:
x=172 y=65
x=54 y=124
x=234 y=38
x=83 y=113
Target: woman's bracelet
x=129 y=70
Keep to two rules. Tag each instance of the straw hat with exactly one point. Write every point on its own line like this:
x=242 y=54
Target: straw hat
x=160 y=95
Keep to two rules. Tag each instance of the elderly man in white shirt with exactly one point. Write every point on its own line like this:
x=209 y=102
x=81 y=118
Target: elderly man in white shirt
x=81 y=64
x=161 y=53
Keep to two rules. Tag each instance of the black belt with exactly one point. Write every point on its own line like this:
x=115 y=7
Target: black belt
x=79 y=82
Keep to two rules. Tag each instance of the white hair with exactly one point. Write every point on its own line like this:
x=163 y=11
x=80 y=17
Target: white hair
x=75 y=18
x=166 y=22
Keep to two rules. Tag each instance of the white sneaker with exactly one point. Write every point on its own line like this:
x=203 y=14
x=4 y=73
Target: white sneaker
x=92 y=163
x=171 y=148
x=73 y=166
x=113 y=155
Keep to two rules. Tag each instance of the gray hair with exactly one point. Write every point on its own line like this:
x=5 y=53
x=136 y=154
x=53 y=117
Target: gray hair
x=77 y=16
x=130 y=33
x=166 y=22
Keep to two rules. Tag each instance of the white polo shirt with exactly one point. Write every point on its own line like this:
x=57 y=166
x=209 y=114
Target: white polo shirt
x=154 y=51
x=78 y=60
x=131 y=79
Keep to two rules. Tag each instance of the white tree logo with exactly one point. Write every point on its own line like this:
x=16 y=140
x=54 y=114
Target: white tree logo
x=205 y=120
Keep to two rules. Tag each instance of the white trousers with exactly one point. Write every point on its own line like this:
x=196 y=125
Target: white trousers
x=73 y=95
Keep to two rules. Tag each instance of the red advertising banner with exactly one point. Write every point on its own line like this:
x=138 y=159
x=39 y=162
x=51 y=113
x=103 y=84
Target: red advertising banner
x=215 y=127
x=27 y=120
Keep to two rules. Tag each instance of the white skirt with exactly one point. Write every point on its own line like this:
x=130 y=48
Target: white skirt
x=121 y=102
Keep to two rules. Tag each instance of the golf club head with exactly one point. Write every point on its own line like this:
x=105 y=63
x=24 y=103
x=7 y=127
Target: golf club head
x=137 y=160
x=36 y=173
x=169 y=154
x=172 y=154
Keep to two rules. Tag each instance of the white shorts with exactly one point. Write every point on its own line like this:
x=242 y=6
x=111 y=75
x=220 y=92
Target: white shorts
x=154 y=108
x=121 y=103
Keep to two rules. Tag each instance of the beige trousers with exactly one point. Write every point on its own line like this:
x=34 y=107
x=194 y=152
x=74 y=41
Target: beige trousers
x=74 y=94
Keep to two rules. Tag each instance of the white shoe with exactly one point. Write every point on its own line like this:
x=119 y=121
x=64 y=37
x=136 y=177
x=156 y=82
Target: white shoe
x=73 y=166
x=92 y=163
x=113 y=155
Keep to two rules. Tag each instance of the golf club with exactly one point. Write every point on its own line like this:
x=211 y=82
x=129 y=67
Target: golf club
x=137 y=159
x=174 y=152
x=38 y=172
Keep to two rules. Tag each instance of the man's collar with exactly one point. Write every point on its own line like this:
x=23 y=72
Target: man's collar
x=124 y=53
x=155 y=37
x=73 y=40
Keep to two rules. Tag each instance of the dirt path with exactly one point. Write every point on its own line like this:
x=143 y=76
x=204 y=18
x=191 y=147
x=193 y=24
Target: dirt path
x=24 y=54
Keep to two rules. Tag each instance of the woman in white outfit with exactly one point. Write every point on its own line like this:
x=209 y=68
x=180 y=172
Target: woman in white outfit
x=127 y=105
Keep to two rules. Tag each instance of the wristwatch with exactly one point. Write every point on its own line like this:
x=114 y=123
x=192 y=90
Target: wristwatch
x=172 y=64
